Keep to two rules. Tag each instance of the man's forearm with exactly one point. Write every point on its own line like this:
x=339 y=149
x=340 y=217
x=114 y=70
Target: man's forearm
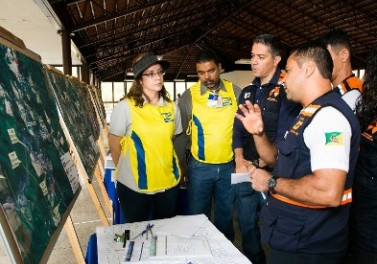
x=267 y=151
x=238 y=153
x=323 y=187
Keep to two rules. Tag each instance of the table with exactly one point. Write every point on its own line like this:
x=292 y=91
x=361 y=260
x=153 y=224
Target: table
x=222 y=251
x=109 y=183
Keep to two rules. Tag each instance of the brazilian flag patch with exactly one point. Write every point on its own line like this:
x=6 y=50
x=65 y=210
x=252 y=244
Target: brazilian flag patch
x=334 y=139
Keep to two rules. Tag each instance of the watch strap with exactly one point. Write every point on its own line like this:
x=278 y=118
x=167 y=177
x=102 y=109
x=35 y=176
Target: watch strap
x=272 y=188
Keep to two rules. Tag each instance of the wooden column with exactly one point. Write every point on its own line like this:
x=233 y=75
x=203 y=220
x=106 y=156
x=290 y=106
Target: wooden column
x=85 y=72
x=67 y=59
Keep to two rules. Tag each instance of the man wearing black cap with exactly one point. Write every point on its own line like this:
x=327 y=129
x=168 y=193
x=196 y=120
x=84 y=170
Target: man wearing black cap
x=141 y=130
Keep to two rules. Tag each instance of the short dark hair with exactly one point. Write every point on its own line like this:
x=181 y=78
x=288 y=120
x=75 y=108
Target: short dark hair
x=337 y=38
x=272 y=41
x=317 y=52
x=207 y=55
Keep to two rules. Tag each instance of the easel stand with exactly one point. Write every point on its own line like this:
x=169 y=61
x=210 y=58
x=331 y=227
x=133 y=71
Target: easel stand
x=69 y=226
x=99 y=178
x=75 y=243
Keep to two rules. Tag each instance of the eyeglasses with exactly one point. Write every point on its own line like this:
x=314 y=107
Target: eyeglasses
x=160 y=72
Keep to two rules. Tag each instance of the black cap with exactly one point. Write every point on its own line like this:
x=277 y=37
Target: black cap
x=146 y=61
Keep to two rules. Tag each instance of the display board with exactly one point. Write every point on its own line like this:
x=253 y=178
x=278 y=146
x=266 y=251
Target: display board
x=38 y=180
x=87 y=105
x=79 y=117
x=98 y=103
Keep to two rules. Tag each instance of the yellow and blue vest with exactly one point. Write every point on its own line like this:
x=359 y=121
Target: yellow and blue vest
x=154 y=163
x=212 y=127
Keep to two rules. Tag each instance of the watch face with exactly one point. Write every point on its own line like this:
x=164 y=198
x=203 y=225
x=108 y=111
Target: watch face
x=271 y=183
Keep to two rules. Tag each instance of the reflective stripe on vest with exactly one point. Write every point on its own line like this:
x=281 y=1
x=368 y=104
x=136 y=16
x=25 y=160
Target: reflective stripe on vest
x=346 y=198
x=351 y=83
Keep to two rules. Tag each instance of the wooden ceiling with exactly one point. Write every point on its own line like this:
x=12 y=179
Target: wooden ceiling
x=110 y=33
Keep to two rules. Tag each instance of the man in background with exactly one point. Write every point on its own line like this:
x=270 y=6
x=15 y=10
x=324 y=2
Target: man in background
x=343 y=80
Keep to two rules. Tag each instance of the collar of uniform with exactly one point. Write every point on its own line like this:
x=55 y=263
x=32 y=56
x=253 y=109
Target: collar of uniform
x=345 y=80
x=274 y=80
x=204 y=88
x=161 y=101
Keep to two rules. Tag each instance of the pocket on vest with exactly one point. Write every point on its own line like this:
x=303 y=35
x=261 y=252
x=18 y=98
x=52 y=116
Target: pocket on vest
x=288 y=159
x=281 y=232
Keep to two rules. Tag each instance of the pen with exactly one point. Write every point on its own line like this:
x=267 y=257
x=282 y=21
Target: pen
x=142 y=233
x=147 y=229
x=141 y=251
x=130 y=250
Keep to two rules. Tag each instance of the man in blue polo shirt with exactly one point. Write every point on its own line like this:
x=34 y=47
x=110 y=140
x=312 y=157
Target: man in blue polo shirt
x=267 y=91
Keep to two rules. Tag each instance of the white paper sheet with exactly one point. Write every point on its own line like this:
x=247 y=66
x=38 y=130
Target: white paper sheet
x=222 y=250
x=240 y=177
x=181 y=226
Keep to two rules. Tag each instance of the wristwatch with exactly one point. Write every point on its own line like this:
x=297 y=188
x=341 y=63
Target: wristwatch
x=272 y=183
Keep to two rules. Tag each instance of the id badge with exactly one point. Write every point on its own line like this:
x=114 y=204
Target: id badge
x=214 y=100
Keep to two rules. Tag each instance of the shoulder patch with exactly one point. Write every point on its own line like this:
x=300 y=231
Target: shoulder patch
x=310 y=110
x=334 y=139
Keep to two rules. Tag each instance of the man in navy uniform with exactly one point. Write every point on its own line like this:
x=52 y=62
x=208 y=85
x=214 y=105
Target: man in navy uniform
x=305 y=219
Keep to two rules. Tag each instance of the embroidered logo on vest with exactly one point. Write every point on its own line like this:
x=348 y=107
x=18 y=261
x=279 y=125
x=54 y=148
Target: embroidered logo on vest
x=168 y=117
x=274 y=93
x=227 y=101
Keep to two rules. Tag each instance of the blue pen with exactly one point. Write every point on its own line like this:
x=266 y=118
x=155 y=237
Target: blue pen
x=130 y=250
x=141 y=234
x=147 y=229
x=141 y=251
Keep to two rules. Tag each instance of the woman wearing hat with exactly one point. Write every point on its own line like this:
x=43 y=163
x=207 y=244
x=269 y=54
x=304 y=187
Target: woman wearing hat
x=141 y=134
